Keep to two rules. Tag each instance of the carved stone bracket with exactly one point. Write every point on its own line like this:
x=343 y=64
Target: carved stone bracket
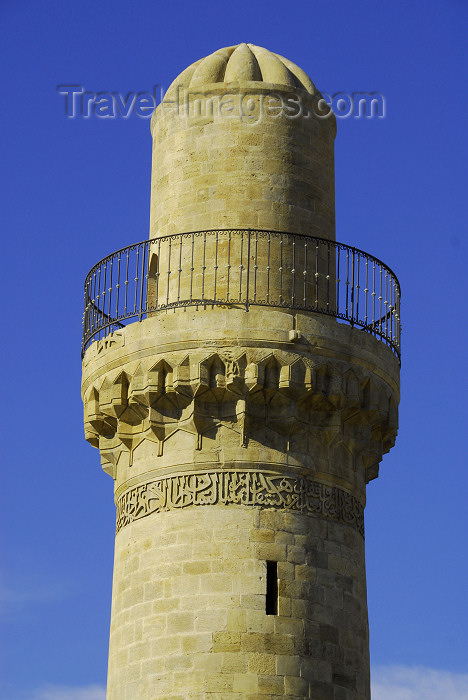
x=244 y=488
x=293 y=403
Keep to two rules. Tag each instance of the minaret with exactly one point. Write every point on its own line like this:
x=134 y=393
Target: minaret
x=241 y=381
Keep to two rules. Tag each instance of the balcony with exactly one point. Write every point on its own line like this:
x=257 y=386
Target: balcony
x=242 y=268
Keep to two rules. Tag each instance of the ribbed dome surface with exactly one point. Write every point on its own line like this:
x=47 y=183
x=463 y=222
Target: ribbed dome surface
x=241 y=63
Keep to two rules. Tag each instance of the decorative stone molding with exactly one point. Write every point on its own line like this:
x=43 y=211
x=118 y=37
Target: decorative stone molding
x=296 y=404
x=244 y=488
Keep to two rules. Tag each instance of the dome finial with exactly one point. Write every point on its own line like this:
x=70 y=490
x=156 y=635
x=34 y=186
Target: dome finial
x=244 y=62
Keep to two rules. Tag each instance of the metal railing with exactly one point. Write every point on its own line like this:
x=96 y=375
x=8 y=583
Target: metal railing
x=240 y=268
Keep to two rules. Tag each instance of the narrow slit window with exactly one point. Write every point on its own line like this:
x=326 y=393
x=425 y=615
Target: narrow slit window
x=271 y=602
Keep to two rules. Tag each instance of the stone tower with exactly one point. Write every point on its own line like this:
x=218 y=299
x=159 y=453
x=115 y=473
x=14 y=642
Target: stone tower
x=241 y=381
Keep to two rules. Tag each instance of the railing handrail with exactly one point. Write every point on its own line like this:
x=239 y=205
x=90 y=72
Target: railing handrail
x=343 y=246
x=320 y=279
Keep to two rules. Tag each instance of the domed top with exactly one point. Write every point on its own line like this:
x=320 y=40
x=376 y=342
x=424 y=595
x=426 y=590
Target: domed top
x=241 y=63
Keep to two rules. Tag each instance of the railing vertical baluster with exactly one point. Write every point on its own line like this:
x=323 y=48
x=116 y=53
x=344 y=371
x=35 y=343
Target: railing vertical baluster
x=358 y=267
x=338 y=249
x=248 y=272
x=268 y=268
x=157 y=273
x=168 y=271
x=179 y=269
x=203 y=267
x=304 y=274
x=373 y=296
x=126 y=282
x=391 y=284
x=94 y=316
x=137 y=264
x=192 y=268
x=216 y=266
x=395 y=317
x=255 y=266
x=352 y=287
x=386 y=303
x=365 y=292
x=317 y=256
x=104 y=291
x=84 y=319
x=89 y=308
x=240 y=266
x=281 y=270
x=380 y=299
x=347 y=283
x=390 y=308
x=147 y=298
x=98 y=298
x=109 y=301
x=118 y=286
x=293 y=273
x=93 y=305
x=395 y=314
x=399 y=318
x=228 y=266
x=85 y=313
x=143 y=277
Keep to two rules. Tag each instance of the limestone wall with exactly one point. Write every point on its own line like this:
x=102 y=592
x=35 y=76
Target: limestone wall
x=188 y=608
x=225 y=456
x=249 y=168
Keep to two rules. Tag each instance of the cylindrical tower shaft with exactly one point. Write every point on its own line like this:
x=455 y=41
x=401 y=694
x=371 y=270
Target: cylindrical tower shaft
x=240 y=433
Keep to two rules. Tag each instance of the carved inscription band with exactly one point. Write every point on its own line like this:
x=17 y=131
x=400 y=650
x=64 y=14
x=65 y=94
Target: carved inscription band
x=246 y=488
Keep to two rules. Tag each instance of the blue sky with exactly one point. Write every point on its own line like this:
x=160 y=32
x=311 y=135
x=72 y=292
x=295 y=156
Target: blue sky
x=77 y=189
